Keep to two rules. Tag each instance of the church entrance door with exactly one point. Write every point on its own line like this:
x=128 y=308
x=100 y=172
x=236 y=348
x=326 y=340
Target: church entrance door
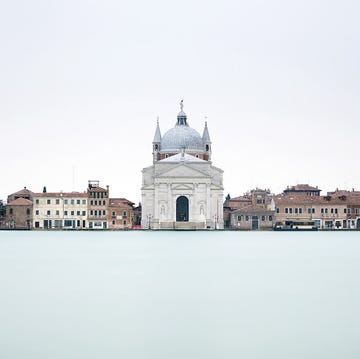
x=182 y=209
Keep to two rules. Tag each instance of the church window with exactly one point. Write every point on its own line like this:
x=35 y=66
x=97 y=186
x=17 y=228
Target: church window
x=207 y=147
x=156 y=147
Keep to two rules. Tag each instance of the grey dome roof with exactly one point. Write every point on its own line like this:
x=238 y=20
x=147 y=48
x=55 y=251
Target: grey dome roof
x=180 y=137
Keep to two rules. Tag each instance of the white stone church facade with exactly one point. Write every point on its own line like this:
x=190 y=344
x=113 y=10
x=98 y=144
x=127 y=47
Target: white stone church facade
x=182 y=189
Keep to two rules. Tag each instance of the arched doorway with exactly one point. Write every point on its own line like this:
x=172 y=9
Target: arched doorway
x=182 y=209
x=255 y=222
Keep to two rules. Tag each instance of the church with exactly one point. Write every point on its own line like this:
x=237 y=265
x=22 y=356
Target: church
x=182 y=189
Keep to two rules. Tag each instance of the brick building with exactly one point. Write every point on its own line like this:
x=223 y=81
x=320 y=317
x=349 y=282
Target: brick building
x=120 y=213
x=98 y=206
x=19 y=214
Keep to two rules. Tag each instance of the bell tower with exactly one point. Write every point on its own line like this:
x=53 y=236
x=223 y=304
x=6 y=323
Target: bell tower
x=156 y=143
x=207 y=143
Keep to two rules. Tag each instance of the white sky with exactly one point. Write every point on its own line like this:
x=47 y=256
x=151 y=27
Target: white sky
x=82 y=82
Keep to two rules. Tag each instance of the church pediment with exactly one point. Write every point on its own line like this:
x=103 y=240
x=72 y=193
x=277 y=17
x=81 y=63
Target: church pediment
x=182 y=171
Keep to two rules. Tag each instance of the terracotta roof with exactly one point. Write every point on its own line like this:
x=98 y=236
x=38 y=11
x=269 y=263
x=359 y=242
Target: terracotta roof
x=308 y=200
x=301 y=187
x=20 y=202
x=120 y=202
x=97 y=189
x=253 y=209
x=23 y=191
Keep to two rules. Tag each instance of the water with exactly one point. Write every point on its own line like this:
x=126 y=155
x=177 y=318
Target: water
x=144 y=295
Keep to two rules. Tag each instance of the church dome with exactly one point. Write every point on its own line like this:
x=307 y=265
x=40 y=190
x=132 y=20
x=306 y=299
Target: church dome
x=181 y=136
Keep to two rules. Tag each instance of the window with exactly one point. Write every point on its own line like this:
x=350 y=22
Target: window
x=345 y=210
x=332 y=210
x=296 y=210
x=91 y=202
x=286 y=210
x=309 y=210
x=48 y=201
x=95 y=213
x=72 y=213
x=124 y=223
x=104 y=203
x=72 y=201
x=84 y=201
x=300 y=210
x=290 y=210
x=113 y=222
x=277 y=210
x=28 y=211
x=37 y=212
x=83 y=213
x=77 y=201
x=322 y=210
x=113 y=214
x=263 y=218
x=57 y=201
x=104 y=213
x=48 y=213
x=239 y=218
x=78 y=213
x=37 y=201
x=349 y=211
x=91 y=213
x=95 y=203
x=246 y=218
x=270 y=218
x=57 y=213
x=65 y=201
x=356 y=210
x=124 y=213
x=11 y=211
x=65 y=213
x=326 y=210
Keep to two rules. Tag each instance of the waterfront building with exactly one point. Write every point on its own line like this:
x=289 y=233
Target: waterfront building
x=60 y=210
x=182 y=189
x=120 y=213
x=254 y=210
x=98 y=205
x=136 y=217
x=327 y=212
x=19 y=214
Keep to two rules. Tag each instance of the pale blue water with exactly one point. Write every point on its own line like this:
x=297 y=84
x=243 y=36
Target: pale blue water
x=179 y=295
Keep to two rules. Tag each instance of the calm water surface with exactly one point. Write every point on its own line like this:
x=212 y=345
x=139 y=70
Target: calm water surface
x=142 y=295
